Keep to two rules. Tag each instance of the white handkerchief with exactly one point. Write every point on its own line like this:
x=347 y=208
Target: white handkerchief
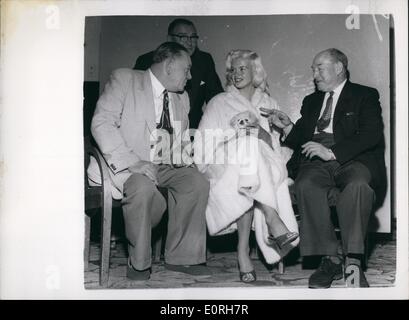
x=202 y=83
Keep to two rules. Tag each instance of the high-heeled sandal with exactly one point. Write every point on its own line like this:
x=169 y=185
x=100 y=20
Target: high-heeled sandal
x=284 y=239
x=248 y=277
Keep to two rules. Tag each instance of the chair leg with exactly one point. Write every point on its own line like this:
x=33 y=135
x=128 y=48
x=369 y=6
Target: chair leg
x=254 y=253
x=106 y=239
x=87 y=240
x=254 y=256
x=366 y=252
x=281 y=267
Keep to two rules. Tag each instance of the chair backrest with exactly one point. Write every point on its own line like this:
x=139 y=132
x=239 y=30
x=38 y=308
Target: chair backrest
x=88 y=152
x=96 y=196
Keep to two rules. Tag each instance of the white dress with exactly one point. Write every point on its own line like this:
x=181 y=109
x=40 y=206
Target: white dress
x=242 y=170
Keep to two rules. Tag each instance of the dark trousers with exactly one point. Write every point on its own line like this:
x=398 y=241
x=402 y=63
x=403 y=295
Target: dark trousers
x=144 y=205
x=354 y=206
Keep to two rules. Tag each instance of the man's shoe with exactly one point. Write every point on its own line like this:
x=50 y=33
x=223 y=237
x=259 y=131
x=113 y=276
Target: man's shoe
x=355 y=277
x=327 y=272
x=194 y=270
x=137 y=275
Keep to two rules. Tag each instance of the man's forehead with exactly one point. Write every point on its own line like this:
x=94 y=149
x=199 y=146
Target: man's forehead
x=184 y=58
x=184 y=29
x=322 y=58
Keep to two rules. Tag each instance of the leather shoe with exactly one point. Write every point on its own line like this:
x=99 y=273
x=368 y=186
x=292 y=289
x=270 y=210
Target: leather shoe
x=194 y=270
x=137 y=275
x=327 y=272
x=355 y=277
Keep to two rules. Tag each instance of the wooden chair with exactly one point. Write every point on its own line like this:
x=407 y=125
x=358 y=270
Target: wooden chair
x=99 y=198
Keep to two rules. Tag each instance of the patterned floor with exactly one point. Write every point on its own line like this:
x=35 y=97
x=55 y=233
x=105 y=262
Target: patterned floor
x=380 y=271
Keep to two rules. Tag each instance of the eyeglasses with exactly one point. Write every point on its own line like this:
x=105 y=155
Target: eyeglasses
x=185 y=38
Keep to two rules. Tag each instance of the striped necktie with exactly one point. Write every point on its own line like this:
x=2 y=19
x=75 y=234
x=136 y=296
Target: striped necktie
x=165 y=117
x=325 y=119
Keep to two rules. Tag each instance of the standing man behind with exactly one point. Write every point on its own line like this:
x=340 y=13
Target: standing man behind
x=135 y=109
x=205 y=83
x=338 y=142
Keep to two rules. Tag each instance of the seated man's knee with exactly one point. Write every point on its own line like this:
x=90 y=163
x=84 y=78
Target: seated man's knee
x=305 y=183
x=199 y=183
x=139 y=184
x=359 y=185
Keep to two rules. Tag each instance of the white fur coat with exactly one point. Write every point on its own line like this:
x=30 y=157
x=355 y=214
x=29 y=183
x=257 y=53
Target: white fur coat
x=242 y=168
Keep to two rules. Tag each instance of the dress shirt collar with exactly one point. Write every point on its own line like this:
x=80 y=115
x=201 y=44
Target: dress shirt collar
x=157 y=87
x=338 y=89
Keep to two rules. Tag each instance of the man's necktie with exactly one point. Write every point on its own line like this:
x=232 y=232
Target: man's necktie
x=325 y=119
x=165 y=153
x=165 y=117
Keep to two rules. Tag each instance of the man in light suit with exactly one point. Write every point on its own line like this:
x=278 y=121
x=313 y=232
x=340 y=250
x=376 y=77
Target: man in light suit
x=205 y=83
x=338 y=142
x=138 y=125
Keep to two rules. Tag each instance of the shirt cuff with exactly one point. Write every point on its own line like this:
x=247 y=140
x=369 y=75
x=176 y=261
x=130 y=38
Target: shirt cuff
x=286 y=131
x=332 y=155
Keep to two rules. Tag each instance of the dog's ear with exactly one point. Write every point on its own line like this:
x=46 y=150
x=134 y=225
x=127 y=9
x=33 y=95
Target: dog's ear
x=233 y=121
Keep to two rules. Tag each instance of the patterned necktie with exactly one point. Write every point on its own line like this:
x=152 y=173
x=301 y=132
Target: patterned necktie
x=165 y=152
x=165 y=117
x=325 y=119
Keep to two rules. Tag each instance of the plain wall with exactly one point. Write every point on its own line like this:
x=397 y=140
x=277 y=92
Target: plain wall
x=286 y=44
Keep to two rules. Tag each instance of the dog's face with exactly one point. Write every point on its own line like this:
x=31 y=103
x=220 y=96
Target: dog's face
x=244 y=120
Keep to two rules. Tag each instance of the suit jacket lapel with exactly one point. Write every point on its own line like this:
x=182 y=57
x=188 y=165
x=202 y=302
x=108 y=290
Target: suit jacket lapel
x=146 y=97
x=343 y=102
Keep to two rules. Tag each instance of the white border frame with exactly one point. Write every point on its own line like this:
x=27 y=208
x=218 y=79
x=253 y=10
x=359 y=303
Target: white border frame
x=41 y=179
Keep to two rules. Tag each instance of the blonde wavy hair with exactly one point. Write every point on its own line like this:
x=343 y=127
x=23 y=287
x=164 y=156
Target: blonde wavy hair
x=259 y=74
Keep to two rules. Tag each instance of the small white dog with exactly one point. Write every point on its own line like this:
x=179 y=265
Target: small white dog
x=247 y=123
x=244 y=120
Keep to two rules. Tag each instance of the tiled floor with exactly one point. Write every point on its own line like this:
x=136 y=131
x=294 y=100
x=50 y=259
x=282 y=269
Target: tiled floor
x=380 y=272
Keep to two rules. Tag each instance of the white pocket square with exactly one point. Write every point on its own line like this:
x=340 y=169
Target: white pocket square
x=202 y=83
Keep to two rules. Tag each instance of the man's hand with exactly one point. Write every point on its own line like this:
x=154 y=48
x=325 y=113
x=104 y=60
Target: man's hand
x=311 y=149
x=146 y=168
x=276 y=117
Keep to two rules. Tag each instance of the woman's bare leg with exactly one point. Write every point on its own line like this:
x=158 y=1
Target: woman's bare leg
x=243 y=246
x=275 y=225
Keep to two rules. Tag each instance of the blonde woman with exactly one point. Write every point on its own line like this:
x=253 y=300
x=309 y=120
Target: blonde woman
x=242 y=158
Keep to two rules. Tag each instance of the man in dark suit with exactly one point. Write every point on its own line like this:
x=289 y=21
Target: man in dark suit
x=337 y=142
x=205 y=83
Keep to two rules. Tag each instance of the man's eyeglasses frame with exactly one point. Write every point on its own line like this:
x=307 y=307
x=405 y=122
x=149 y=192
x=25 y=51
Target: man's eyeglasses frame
x=185 y=38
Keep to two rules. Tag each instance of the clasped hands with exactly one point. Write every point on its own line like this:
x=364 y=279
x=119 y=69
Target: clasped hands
x=309 y=149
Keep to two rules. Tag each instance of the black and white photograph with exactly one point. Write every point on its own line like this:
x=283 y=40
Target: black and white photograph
x=204 y=150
